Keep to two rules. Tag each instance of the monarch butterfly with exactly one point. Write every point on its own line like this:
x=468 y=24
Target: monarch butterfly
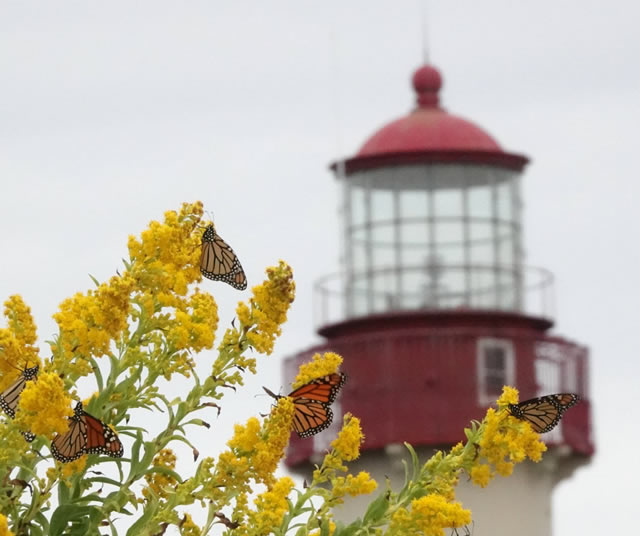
x=86 y=435
x=219 y=262
x=545 y=412
x=312 y=413
x=11 y=395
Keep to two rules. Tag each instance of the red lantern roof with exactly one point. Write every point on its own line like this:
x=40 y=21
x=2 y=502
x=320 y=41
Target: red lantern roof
x=430 y=134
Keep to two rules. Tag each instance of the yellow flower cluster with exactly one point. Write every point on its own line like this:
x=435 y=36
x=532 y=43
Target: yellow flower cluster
x=195 y=326
x=428 y=516
x=167 y=257
x=89 y=322
x=332 y=529
x=267 y=309
x=320 y=365
x=158 y=483
x=44 y=406
x=17 y=350
x=505 y=441
x=270 y=509
x=4 y=527
x=188 y=527
x=345 y=447
x=362 y=484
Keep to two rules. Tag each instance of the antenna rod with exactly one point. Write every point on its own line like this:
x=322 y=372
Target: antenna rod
x=425 y=41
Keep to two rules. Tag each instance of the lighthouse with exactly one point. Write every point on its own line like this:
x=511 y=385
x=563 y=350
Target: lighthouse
x=435 y=309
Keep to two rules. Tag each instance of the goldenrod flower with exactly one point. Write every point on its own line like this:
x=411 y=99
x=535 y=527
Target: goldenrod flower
x=347 y=444
x=4 y=527
x=505 y=441
x=68 y=470
x=320 y=365
x=158 y=482
x=362 y=484
x=17 y=350
x=167 y=257
x=429 y=516
x=89 y=322
x=271 y=507
x=44 y=406
x=481 y=475
x=188 y=527
x=268 y=308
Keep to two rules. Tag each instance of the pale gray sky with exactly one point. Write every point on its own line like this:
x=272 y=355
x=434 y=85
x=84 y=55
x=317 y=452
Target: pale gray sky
x=112 y=113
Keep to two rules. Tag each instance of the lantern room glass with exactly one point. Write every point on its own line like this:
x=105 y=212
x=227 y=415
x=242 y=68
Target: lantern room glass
x=432 y=236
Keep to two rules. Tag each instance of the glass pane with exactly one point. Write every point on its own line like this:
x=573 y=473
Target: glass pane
x=413 y=204
x=357 y=206
x=448 y=203
x=479 y=199
x=505 y=205
x=381 y=205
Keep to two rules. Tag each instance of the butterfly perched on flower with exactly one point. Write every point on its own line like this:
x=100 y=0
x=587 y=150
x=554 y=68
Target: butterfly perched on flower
x=545 y=412
x=86 y=435
x=218 y=261
x=311 y=402
x=10 y=397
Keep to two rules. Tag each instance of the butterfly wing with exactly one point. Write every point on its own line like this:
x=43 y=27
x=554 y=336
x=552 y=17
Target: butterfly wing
x=310 y=417
x=545 y=412
x=312 y=413
x=71 y=445
x=101 y=439
x=218 y=261
x=10 y=396
x=86 y=435
x=323 y=389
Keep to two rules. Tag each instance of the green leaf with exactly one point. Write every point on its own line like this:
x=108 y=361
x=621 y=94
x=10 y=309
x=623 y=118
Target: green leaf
x=415 y=462
x=96 y=282
x=79 y=516
x=149 y=512
x=377 y=509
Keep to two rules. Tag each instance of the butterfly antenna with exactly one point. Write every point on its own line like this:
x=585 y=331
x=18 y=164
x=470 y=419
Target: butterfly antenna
x=271 y=393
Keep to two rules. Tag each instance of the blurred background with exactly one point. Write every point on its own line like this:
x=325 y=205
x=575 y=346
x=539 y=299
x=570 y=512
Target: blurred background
x=112 y=114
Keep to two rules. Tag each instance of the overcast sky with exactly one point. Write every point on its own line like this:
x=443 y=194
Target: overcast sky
x=112 y=113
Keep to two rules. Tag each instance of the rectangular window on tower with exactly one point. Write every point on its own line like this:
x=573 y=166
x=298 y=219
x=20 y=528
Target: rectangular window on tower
x=495 y=368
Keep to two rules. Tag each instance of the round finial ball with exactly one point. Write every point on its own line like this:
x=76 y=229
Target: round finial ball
x=427 y=79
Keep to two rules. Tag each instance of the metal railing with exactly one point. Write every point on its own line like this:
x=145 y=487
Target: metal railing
x=521 y=289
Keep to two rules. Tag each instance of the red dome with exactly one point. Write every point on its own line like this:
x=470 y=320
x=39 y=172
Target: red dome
x=430 y=134
x=428 y=127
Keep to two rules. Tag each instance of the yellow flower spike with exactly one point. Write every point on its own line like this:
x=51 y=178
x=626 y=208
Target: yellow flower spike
x=68 y=470
x=44 y=406
x=509 y=396
x=481 y=475
x=429 y=516
x=166 y=258
x=362 y=484
x=245 y=436
x=271 y=507
x=4 y=527
x=347 y=444
x=188 y=527
x=269 y=451
x=505 y=441
x=268 y=308
x=320 y=365
x=160 y=483
x=20 y=321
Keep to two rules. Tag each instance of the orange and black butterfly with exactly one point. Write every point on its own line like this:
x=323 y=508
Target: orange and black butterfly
x=219 y=262
x=545 y=412
x=10 y=397
x=86 y=435
x=312 y=413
